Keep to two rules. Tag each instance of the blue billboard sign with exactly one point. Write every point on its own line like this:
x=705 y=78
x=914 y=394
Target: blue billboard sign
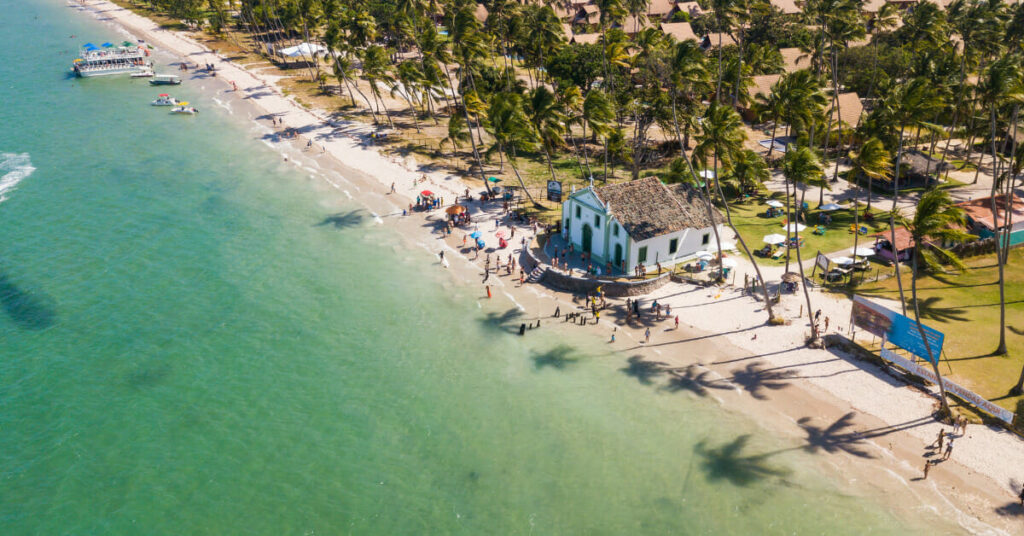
x=896 y=328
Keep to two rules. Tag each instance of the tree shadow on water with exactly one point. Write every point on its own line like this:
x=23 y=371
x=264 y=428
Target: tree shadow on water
x=27 y=309
x=643 y=371
x=343 y=220
x=754 y=379
x=502 y=321
x=558 y=357
x=696 y=381
x=727 y=462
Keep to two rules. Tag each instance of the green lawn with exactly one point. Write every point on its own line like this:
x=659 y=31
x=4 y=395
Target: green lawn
x=753 y=226
x=966 y=308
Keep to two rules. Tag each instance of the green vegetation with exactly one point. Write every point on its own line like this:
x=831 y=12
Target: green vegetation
x=966 y=308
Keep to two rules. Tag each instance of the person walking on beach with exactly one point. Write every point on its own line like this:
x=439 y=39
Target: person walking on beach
x=949 y=450
x=677 y=321
x=940 y=439
x=647 y=335
x=927 y=467
x=392 y=187
x=1021 y=495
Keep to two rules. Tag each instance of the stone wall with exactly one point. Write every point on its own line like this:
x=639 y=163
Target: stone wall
x=612 y=289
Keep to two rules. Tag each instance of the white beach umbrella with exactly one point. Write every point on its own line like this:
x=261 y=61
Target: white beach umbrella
x=774 y=238
x=862 y=252
x=843 y=261
x=796 y=227
x=775 y=203
x=830 y=207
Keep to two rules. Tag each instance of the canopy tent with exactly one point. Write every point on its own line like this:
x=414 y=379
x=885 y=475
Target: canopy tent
x=774 y=203
x=304 y=49
x=829 y=207
x=774 y=239
x=795 y=227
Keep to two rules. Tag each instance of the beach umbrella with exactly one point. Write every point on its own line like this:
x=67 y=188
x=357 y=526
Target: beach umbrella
x=427 y=193
x=493 y=179
x=862 y=252
x=728 y=263
x=774 y=238
x=163 y=95
x=843 y=261
x=455 y=209
x=127 y=43
x=500 y=234
x=829 y=207
x=107 y=45
x=795 y=227
x=88 y=45
x=775 y=204
x=474 y=234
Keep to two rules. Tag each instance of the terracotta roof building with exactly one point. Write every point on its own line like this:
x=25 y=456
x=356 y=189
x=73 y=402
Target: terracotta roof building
x=980 y=222
x=681 y=31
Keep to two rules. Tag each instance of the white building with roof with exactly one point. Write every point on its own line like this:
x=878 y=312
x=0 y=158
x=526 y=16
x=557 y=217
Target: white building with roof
x=641 y=222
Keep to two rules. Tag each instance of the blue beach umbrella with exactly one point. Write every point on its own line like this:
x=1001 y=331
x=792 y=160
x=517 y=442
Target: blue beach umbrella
x=494 y=179
x=474 y=234
x=107 y=45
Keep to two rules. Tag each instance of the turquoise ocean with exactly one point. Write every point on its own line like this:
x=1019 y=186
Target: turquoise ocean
x=199 y=338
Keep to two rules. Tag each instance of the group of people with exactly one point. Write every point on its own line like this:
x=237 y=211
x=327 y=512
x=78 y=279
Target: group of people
x=946 y=439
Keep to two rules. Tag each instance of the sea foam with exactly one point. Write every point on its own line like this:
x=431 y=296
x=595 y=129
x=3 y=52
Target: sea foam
x=14 y=168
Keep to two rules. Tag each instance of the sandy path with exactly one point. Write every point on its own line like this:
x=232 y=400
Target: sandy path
x=722 y=331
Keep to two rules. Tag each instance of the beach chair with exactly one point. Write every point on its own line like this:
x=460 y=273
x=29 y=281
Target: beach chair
x=819 y=230
x=863 y=230
x=778 y=253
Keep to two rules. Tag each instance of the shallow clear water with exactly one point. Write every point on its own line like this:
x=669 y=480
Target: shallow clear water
x=191 y=344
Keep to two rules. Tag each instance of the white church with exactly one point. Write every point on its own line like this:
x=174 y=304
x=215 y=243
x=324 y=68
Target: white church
x=641 y=222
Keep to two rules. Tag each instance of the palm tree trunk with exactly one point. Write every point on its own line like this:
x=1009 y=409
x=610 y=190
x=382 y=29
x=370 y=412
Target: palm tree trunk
x=1001 y=348
x=945 y=413
x=512 y=162
x=892 y=223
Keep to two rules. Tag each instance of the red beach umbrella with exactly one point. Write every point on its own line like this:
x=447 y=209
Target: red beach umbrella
x=163 y=95
x=500 y=234
x=427 y=193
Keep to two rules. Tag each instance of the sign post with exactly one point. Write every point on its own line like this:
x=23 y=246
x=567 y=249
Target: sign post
x=555 y=191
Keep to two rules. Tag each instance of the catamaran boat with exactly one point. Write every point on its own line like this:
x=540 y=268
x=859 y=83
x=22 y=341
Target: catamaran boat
x=109 y=59
x=165 y=80
x=184 y=108
x=165 y=100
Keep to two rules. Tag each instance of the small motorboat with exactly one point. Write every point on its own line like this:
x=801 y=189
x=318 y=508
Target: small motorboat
x=184 y=108
x=165 y=100
x=165 y=80
x=145 y=73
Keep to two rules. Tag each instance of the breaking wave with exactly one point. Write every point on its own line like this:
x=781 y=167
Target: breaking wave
x=14 y=168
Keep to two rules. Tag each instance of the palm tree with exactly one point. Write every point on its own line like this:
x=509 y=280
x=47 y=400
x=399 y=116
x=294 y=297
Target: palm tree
x=801 y=165
x=457 y=131
x=511 y=130
x=872 y=161
x=725 y=14
x=376 y=63
x=937 y=219
x=1001 y=84
x=884 y=20
x=547 y=121
x=911 y=105
x=749 y=169
x=598 y=113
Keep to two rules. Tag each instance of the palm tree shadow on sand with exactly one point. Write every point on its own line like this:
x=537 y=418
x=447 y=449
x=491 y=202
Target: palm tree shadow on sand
x=27 y=309
x=727 y=462
x=343 y=220
x=559 y=357
x=834 y=438
x=695 y=381
x=755 y=379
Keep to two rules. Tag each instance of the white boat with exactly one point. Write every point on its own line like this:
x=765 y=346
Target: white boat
x=108 y=59
x=165 y=100
x=145 y=73
x=165 y=80
x=184 y=108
